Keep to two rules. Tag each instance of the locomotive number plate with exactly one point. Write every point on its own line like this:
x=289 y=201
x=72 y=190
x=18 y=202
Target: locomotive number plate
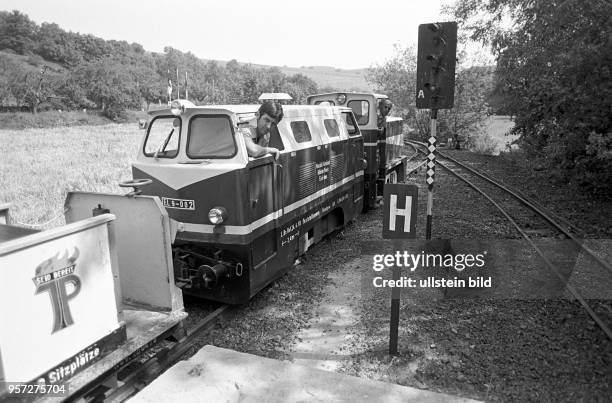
x=182 y=204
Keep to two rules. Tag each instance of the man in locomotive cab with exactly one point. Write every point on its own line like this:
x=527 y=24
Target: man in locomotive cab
x=384 y=108
x=257 y=133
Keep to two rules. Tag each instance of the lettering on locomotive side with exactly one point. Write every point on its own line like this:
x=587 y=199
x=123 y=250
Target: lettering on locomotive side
x=292 y=232
x=342 y=198
x=311 y=217
x=181 y=204
x=290 y=238
x=322 y=170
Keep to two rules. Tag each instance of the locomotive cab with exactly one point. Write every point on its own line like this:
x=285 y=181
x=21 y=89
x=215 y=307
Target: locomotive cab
x=240 y=222
x=382 y=135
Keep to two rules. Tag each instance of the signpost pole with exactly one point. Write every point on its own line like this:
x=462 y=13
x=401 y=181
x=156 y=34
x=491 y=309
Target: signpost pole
x=395 y=308
x=431 y=170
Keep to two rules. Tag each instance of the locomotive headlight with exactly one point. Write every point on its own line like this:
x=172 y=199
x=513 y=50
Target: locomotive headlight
x=217 y=215
x=341 y=98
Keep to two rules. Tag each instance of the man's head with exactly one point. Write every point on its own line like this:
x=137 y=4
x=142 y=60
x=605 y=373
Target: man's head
x=385 y=107
x=269 y=113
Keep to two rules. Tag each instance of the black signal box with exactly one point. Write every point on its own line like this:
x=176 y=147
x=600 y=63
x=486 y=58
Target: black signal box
x=436 y=61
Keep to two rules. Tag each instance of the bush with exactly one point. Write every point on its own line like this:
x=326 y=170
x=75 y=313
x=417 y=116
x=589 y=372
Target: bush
x=595 y=169
x=52 y=118
x=553 y=75
x=484 y=143
x=116 y=113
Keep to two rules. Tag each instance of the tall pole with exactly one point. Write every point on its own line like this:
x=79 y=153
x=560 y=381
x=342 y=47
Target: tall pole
x=169 y=88
x=186 y=87
x=178 y=85
x=431 y=170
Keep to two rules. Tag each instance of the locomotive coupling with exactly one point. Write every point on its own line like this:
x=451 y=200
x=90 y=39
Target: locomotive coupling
x=211 y=275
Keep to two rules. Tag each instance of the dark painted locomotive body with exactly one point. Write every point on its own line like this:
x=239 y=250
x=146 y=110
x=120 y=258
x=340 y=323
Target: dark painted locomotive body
x=271 y=211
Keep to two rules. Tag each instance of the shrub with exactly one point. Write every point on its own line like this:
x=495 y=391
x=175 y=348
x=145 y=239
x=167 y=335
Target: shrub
x=116 y=113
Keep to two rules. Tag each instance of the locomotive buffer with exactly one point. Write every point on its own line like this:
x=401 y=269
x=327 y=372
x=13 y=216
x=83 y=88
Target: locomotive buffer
x=435 y=87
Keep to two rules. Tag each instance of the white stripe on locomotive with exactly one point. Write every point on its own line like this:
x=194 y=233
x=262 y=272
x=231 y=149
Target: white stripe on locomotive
x=247 y=229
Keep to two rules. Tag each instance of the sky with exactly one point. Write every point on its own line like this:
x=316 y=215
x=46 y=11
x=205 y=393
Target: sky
x=339 y=33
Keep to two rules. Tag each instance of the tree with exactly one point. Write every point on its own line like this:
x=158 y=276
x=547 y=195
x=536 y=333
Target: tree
x=17 y=32
x=553 y=74
x=109 y=85
x=37 y=89
x=299 y=87
x=465 y=121
x=11 y=79
x=396 y=78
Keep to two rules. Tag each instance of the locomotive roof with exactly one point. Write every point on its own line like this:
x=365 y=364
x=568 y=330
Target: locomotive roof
x=288 y=110
x=349 y=93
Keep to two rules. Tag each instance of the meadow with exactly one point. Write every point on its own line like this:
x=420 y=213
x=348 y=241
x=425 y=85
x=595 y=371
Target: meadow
x=39 y=166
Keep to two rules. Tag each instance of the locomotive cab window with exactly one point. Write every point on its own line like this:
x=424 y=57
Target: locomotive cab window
x=331 y=126
x=361 y=109
x=351 y=126
x=323 y=103
x=210 y=136
x=163 y=137
x=301 y=131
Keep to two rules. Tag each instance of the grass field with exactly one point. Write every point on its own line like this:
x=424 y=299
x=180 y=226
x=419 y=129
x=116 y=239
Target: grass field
x=39 y=166
x=52 y=118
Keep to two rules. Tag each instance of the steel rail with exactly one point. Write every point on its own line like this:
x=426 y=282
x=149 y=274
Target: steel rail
x=569 y=287
x=539 y=210
x=413 y=156
x=492 y=181
x=162 y=360
x=517 y=194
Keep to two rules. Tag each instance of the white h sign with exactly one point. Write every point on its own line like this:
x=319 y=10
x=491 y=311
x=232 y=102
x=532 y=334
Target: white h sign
x=394 y=212
x=408 y=196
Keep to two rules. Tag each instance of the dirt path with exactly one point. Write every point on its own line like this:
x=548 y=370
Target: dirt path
x=325 y=341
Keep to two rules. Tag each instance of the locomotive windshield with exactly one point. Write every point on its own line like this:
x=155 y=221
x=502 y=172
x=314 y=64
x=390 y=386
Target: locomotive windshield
x=361 y=109
x=211 y=136
x=163 y=137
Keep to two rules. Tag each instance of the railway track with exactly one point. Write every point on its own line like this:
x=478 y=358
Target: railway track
x=132 y=376
x=522 y=216
x=412 y=164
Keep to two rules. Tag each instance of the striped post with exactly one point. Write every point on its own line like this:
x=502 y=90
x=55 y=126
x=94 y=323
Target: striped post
x=431 y=171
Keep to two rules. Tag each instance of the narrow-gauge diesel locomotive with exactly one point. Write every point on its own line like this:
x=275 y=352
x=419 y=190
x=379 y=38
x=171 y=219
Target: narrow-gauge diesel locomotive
x=382 y=135
x=240 y=222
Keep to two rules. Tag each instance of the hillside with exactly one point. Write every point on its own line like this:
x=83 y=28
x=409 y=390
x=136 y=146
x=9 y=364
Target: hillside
x=44 y=67
x=324 y=76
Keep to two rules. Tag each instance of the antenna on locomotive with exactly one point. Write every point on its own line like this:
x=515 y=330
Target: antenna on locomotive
x=275 y=96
